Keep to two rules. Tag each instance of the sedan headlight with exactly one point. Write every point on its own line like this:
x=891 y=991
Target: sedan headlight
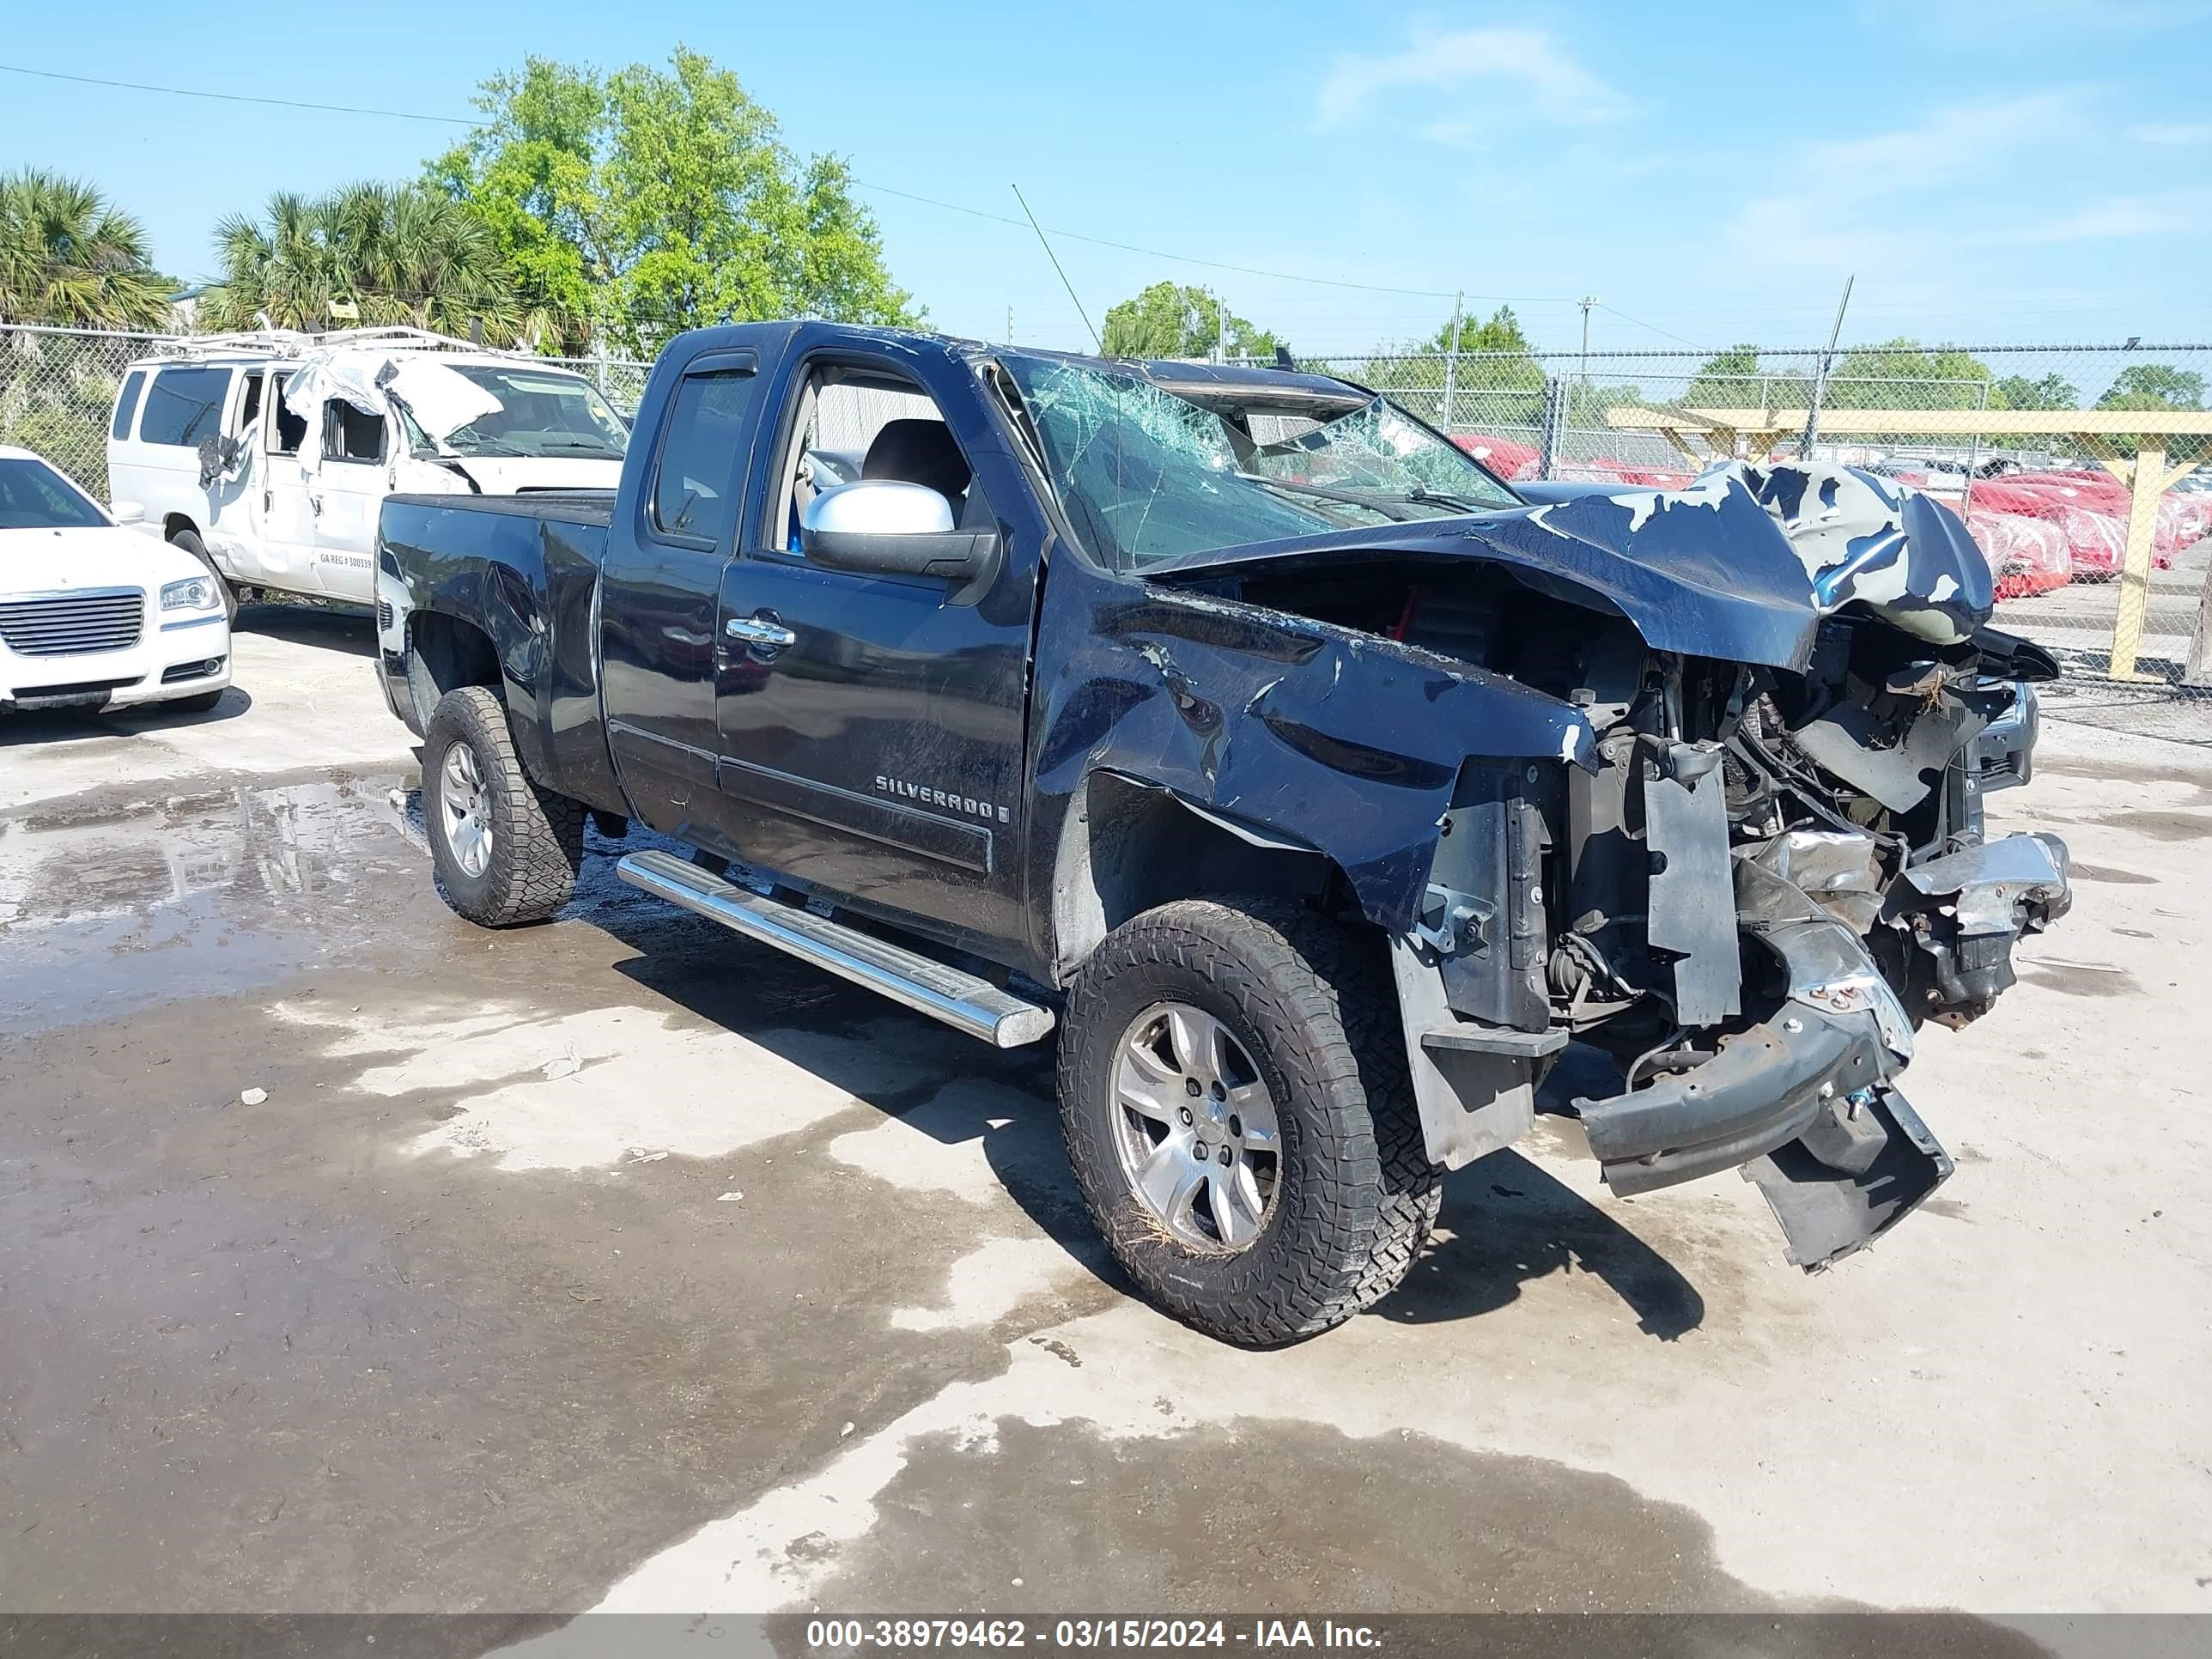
x=193 y=593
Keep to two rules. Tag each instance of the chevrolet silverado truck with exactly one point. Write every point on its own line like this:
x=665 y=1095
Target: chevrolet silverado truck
x=1314 y=788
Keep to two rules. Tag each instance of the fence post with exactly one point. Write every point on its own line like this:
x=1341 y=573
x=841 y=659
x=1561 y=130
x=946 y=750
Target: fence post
x=2148 y=481
x=1452 y=362
x=1555 y=414
x=2197 y=666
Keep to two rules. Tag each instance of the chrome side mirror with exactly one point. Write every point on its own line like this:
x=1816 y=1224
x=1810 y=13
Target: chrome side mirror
x=884 y=527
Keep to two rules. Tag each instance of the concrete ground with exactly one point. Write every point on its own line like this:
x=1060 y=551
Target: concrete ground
x=617 y=1263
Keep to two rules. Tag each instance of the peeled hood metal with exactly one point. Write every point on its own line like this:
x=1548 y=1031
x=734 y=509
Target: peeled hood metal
x=1741 y=565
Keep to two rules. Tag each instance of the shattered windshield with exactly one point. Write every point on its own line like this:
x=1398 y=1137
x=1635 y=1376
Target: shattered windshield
x=539 y=414
x=1146 y=475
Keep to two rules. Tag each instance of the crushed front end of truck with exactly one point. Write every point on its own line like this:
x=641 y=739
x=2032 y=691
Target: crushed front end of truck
x=1754 y=865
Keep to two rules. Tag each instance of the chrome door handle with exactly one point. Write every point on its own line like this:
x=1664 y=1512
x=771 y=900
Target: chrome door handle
x=759 y=630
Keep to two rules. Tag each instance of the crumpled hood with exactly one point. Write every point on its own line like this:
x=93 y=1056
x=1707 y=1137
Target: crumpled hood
x=1741 y=565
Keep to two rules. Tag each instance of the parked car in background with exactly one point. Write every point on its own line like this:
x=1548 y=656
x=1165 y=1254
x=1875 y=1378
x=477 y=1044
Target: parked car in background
x=94 y=615
x=266 y=457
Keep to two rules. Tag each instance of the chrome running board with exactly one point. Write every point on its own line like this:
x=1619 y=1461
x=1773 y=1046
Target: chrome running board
x=962 y=1000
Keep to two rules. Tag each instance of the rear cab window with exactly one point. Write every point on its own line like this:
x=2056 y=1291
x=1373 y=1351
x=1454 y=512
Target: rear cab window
x=126 y=403
x=696 y=474
x=184 y=405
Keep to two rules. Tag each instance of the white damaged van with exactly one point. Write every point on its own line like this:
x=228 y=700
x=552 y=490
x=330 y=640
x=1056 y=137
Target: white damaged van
x=268 y=456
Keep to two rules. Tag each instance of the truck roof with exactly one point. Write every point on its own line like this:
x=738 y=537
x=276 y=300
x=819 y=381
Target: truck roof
x=1262 y=379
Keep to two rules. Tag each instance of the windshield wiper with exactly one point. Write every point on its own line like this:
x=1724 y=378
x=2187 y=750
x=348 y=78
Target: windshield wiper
x=589 y=446
x=1390 y=507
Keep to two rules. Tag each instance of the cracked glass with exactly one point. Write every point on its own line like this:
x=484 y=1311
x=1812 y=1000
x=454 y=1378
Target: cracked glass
x=1147 y=475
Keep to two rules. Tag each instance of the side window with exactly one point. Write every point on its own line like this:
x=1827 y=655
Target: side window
x=249 y=401
x=852 y=424
x=697 y=469
x=184 y=405
x=351 y=434
x=291 y=428
x=126 y=404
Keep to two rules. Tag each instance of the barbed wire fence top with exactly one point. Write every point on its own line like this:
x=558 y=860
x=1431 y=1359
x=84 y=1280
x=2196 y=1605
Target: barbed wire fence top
x=2052 y=520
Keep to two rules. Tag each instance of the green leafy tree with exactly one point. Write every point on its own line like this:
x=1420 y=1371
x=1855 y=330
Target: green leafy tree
x=2051 y=391
x=1727 y=379
x=639 y=203
x=2155 y=386
x=1172 y=319
x=1902 y=374
x=384 y=255
x=1499 y=332
x=70 y=259
x=1497 y=385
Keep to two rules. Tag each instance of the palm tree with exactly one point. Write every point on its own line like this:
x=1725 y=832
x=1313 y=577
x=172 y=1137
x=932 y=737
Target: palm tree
x=68 y=258
x=392 y=254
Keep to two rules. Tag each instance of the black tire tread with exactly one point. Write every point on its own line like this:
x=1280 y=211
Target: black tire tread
x=1374 y=1196
x=540 y=842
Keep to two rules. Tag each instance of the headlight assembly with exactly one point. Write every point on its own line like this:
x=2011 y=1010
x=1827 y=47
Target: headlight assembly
x=193 y=593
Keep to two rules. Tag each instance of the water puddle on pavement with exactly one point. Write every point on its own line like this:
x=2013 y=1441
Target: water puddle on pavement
x=218 y=891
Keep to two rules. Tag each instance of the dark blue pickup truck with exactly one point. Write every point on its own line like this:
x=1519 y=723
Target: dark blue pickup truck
x=1312 y=785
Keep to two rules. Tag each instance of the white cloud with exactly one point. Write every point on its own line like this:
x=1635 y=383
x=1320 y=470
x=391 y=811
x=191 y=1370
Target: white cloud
x=1939 y=152
x=1448 y=132
x=2175 y=135
x=1835 y=209
x=1524 y=61
x=2161 y=213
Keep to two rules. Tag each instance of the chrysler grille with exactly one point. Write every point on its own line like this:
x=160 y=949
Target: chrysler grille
x=73 y=624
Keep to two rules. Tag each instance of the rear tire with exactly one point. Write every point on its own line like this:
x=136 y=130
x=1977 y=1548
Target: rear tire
x=504 y=850
x=1311 y=1024
x=189 y=540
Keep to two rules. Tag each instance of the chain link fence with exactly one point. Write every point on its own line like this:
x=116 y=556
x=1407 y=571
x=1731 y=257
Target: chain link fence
x=2051 y=517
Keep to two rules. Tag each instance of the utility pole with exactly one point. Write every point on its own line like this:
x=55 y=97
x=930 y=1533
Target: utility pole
x=1451 y=359
x=1010 y=325
x=1220 y=329
x=1586 y=302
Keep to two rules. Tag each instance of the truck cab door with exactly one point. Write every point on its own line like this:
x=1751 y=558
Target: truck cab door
x=659 y=589
x=871 y=727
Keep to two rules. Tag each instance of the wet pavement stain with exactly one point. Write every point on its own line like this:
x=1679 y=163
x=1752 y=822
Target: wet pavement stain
x=2107 y=874
x=2160 y=826
x=1219 y=1521
x=2080 y=979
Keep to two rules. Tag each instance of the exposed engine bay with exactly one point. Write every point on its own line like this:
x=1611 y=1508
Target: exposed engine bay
x=1773 y=874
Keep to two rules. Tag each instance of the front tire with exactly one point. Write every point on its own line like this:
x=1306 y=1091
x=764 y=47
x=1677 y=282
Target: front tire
x=200 y=703
x=504 y=851
x=190 y=542
x=1233 y=1088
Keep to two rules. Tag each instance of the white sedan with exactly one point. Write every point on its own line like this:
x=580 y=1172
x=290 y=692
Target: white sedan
x=96 y=614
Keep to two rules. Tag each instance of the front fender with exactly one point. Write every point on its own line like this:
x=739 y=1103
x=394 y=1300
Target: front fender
x=1319 y=736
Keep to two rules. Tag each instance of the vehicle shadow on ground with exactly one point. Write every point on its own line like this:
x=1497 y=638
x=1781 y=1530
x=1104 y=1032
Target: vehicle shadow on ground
x=1505 y=1222
x=23 y=727
x=348 y=628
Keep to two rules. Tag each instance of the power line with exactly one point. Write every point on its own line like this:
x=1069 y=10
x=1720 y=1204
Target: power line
x=867 y=184
x=234 y=97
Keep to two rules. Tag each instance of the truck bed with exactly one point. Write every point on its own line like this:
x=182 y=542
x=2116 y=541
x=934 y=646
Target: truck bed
x=595 y=508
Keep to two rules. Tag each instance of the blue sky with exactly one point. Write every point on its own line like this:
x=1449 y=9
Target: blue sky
x=1996 y=171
